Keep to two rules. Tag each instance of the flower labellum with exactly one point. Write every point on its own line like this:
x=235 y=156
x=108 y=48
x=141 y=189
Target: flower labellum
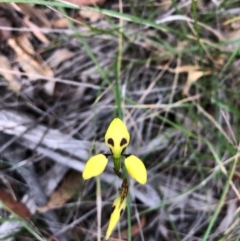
x=118 y=208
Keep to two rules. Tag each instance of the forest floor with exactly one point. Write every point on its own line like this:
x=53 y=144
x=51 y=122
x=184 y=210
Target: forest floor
x=169 y=69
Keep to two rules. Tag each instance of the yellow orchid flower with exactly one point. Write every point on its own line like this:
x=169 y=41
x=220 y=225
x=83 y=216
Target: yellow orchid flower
x=95 y=166
x=117 y=137
x=118 y=208
x=136 y=169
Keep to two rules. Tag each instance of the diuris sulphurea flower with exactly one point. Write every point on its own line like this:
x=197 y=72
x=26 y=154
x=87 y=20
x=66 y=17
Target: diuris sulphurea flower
x=117 y=138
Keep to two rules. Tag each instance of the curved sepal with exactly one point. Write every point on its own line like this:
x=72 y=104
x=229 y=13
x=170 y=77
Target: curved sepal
x=136 y=169
x=117 y=137
x=118 y=208
x=95 y=166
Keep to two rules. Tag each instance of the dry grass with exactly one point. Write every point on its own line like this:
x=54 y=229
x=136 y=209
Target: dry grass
x=173 y=75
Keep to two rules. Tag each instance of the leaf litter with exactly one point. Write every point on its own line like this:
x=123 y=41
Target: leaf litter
x=49 y=127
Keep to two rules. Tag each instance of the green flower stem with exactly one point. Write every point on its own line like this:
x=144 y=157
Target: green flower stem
x=222 y=198
x=99 y=207
x=117 y=164
x=129 y=216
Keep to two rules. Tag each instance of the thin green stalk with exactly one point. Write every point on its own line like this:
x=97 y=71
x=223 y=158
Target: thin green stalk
x=91 y=55
x=32 y=230
x=238 y=239
x=118 y=99
x=229 y=61
x=118 y=64
x=194 y=8
x=119 y=109
x=194 y=187
x=182 y=24
x=39 y=2
x=221 y=201
x=86 y=47
x=129 y=216
x=99 y=207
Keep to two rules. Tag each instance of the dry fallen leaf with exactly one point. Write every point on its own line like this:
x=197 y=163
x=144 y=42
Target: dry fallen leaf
x=53 y=61
x=194 y=73
x=236 y=24
x=17 y=207
x=164 y=5
x=60 y=23
x=35 y=19
x=184 y=68
x=30 y=62
x=221 y=59
x=5 y=71
x=24 y=49
x=65 y=192
x=36 y=31
x=59 y=56
x=34 y=13
x=193 y=76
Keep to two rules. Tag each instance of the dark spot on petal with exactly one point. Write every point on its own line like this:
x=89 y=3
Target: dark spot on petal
x=123 y=142
x=113 y=208
x=121 y=212
x=110 y=142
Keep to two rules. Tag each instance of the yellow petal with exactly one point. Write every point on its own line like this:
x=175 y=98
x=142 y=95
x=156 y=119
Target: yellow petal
x=136 y=169
x=94 y=166
x=118 y=207
x=117 y=137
